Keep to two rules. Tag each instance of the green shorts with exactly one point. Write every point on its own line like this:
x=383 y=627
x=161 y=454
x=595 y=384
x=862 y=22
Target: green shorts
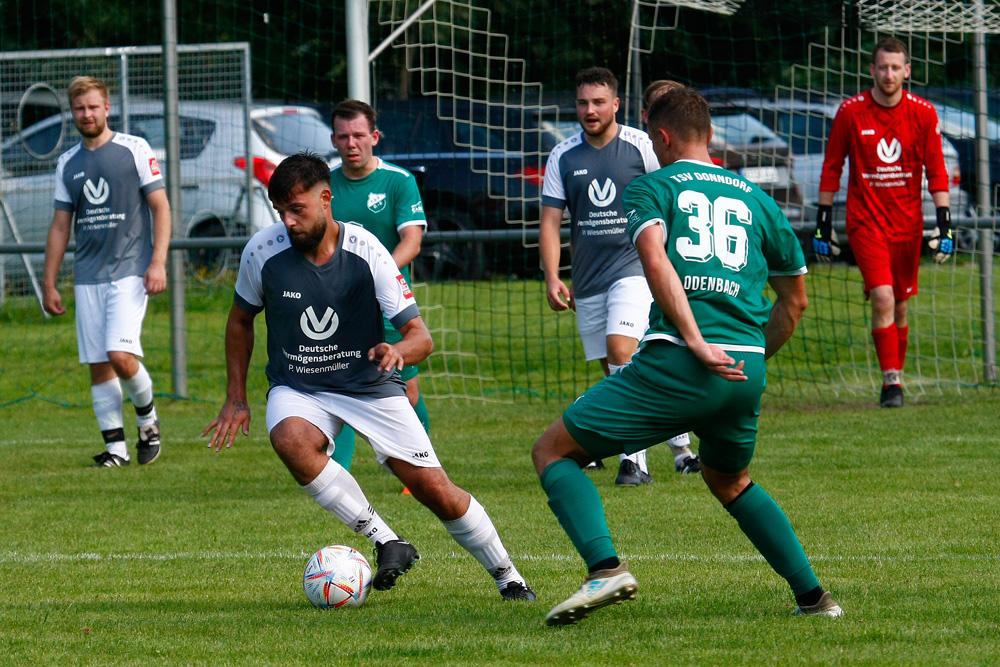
x=392 y=336
x=664 y=392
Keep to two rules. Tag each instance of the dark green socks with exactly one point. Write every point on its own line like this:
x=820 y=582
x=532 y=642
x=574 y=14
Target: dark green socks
x=768 y=528
x=574 y=500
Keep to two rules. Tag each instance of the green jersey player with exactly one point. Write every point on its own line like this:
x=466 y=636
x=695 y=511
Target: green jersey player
x=384 y=199
x=708 y=241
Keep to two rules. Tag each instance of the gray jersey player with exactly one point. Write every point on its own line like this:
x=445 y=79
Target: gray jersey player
x=109 y=191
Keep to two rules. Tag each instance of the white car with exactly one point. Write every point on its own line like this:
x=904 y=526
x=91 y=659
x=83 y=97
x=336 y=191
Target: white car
x=213 y=150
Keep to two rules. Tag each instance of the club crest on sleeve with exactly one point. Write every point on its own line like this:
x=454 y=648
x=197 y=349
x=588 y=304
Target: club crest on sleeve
x=406 y=288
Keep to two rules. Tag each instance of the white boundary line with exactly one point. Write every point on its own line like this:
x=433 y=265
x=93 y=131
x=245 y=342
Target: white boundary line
x=17 y=557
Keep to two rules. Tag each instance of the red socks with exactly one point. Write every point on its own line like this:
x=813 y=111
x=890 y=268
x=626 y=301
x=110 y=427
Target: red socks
x=887 y=345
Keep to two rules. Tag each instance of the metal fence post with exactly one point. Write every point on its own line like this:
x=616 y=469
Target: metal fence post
x=171 y=121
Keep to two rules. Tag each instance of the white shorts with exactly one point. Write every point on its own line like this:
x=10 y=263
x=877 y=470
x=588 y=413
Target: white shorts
x=389 y=425
x=623 y=311
x=109 y=318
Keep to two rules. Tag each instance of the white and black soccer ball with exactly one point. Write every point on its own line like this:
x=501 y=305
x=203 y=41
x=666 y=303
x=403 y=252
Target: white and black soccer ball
x=337 y=576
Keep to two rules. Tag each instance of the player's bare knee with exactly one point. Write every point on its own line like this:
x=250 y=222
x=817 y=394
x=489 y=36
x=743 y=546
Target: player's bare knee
x=435 y=490
x=125 y=364
x=726 y=487
x=541 y=453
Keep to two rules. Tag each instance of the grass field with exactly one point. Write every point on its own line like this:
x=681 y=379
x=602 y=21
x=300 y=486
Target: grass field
x=497 y=340
x=197 y=559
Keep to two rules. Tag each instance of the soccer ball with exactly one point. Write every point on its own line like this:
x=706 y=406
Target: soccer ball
x=337 y=576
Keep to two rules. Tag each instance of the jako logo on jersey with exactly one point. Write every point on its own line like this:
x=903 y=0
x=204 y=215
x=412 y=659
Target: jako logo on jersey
x=292 y=295
x=867 y=133
x=154 y=167
x=580 y=172
x=376 y=202
x=406 y=288
x=417 y=208
x=602 y=195
x=889 y=152
x=421 y=455
x=319 y=328
x=79 y=175
x=96 y=194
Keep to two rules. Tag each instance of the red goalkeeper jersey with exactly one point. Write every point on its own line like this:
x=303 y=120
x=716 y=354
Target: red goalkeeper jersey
x=889 y=147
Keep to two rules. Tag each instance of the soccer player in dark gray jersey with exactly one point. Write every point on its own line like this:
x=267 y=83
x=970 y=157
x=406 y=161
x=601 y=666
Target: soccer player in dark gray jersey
x=588 y=173
x=111 y=184
x=324 y=286
x=590 y=181
x=322 y=320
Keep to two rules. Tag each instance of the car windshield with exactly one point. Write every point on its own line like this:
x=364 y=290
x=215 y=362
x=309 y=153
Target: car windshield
x=743 y=130
x=961 y=124
x=805 y=131
x=477 y=137
x=291 y=132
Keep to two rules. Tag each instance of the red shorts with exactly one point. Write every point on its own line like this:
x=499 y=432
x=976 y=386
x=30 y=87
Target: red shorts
x=885 y=262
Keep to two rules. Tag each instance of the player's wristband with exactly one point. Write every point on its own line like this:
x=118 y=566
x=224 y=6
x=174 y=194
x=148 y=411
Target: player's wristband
x=943 y=220
x=824 y=221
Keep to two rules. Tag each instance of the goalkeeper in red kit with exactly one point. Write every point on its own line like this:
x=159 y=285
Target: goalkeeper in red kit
x=890 y=136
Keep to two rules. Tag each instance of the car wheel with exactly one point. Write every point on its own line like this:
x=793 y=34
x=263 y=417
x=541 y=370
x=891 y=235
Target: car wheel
x=207 y=265
x=445 y=260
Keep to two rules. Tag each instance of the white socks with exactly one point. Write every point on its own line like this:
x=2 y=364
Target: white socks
x=107 y=401
x=140 y=390
x=679 y=446
x=336 y=491
x=639 y=458
x=477 y=535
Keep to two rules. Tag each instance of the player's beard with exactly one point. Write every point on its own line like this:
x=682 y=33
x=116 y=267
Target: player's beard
x=602 y=127
x=94 y=130
x=889 y=89
x=309 y=240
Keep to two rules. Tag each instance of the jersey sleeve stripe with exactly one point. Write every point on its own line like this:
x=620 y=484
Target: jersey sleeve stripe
x=649 y=223
x=798 y=272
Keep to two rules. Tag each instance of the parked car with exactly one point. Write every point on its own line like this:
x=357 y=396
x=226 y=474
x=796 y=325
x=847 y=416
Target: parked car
x=744 y=145
x=213 y=149
x=740 y=144
x=468 y=181
x=806 y=126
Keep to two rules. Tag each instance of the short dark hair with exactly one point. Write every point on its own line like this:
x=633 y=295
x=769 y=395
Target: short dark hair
x=684 y=112
x=351 y=109
x=597 y=76
x=656 y=89
x=300 y=171
x=891 y=45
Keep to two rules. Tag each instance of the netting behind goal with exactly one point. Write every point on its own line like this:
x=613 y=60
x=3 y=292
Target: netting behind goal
x=473 y=95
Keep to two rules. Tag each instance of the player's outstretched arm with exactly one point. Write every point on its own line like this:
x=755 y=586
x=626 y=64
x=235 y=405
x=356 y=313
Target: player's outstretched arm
x=416 y=346
x=668 y=291
x=550 y=249
x=788 y=307
x=55 y=250
x=235 y=413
